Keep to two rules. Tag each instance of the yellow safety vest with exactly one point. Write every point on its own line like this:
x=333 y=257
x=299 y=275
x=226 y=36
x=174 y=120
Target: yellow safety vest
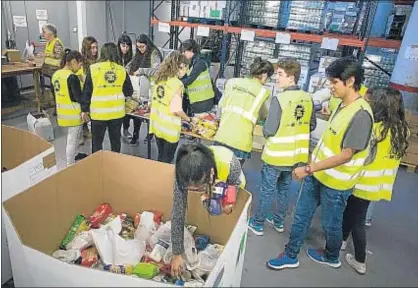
x=377 y=179
x=243 y=98
x=290 y=145
x=345 y=176
x=335 y=102
x=49 y=53
x=223 y=158
x=163 y=124
x=108 y=100
x=201 y=89
x=68 y=112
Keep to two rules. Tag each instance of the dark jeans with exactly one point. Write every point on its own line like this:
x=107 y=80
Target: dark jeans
x=137 y=125
x=353 y=221
x=275 y=181
x=333 y=202
x=166 y=150
x=98 y=130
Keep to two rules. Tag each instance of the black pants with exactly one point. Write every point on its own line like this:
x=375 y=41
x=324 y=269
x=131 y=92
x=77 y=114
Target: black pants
x=353 y=221
x=98 y=130
x=137 y=125
x=166 y=150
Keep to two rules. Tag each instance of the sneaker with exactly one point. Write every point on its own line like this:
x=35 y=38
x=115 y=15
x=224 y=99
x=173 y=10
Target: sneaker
x=126 y=134
x=134 y=142
x=282 y=262
x=368 y=223
x=256 y=229
x=278 y=227
x=81 y=141
x=80 y=156
x=344 y=245
x=318 y=255
x=359 y=267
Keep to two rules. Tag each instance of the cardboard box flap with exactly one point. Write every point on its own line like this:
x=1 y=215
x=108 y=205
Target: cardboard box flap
x=43 y=214
x=27 y=145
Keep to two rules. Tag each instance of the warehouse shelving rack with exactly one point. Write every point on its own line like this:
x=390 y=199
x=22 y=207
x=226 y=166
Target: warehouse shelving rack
x=352 y=44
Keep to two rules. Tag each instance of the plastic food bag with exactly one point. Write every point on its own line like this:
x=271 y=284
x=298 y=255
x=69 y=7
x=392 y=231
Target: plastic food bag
x=99 y=215
x=81 y=241
x=89 y=257
x=69 y=256
x=163 y=233
x=77 y=226
x=146 y=227
x=209 y=256
x=190 y=255
x=128 y=229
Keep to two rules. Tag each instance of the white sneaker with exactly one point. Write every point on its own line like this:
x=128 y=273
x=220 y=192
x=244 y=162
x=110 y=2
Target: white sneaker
x=359 y=267
x=344 y=245
x=368 y=223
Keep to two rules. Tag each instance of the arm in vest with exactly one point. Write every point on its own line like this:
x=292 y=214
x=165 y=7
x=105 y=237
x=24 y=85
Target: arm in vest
x=199 y=66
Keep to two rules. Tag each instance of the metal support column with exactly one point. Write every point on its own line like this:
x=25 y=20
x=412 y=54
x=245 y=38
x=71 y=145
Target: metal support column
x=240 y=48
x=372 y=7
x=172 y=29
x=151 y=15
x=225 y=41
x=176 y=16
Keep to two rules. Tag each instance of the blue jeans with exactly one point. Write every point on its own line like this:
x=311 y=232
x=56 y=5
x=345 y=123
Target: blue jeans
x=273 y=179
x=332 y=202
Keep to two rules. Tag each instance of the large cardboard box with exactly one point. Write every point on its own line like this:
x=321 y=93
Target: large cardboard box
x=28 y=160
x=38 y=219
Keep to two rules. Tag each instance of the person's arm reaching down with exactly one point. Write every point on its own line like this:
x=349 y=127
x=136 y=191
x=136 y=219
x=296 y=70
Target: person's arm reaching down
x=234 y=177
x=74 y=88
x=87 y=93
x=273 y=118
x=312 y=125
x=176 y=105
x=198 y=67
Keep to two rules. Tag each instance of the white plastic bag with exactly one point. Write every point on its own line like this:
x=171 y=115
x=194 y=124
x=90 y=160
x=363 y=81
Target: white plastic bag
x=103 y=241
x=190 y=255
x=146 y=228
x=209 y=256
x=163 y=233
x=81 y=241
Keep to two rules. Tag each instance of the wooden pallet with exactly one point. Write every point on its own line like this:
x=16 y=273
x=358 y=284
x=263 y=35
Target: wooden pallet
x=259 y=26
x=409 y=167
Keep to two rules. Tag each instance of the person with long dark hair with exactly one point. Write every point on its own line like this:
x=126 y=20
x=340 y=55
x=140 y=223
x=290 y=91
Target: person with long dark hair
x=198 y=168
x=146 y=62
x=124 y=47
x=107 y=84
x=68 y=98
x=388 y=146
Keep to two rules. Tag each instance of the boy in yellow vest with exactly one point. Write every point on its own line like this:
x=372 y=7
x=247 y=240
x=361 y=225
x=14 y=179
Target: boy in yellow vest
x=290 y=120
x=337 y=162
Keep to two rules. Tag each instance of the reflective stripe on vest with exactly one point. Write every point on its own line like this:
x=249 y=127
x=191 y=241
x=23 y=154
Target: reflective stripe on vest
x=49 y=53
x=242 y=101
x=163 y=124
x=68 y=112
x=290 y=144
x=376 y=180
x=201 y=89
x=108 y=100
x=345 y=176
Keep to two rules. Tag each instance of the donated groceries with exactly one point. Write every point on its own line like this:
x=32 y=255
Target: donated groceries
x=135 y=107
x=222 y=196
x=206 y=125
x=140 y=245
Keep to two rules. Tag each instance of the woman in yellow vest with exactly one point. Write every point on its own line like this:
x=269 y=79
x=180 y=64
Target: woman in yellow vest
x=240 y=106
x=388 y=146
x=106 y=87
x=68 y=98
x=166 y=108
x=198 y=168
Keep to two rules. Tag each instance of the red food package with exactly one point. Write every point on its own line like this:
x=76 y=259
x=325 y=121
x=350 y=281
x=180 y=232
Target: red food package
x=89 y=257
x=230 y=196
x=99 y=215
x=137 y=219
x=123 y=216
x=157 y=216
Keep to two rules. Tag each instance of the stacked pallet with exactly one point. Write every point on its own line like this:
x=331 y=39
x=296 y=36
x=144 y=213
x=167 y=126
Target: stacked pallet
x=306 y=15
x=263 y=13
x=411 y=158
x=386 y=59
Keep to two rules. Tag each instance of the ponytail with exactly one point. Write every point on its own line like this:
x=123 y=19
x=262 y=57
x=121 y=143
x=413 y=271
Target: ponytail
x=71 y=55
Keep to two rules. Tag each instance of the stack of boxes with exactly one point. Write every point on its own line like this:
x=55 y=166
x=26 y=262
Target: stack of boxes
x=255 y=49
x=397 y=21
x=263 y=12
x=306 y=15
x=202 y=9
x=386 y=59
x=341 y=17
x=319 y=80
x=412 y=153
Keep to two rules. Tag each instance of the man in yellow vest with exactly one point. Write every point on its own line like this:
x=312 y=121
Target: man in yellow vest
x=107 y=84
x=290 y=120
x=197 y=82
x=337 y=162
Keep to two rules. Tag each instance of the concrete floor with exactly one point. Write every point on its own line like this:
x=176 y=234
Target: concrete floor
x=392 y=239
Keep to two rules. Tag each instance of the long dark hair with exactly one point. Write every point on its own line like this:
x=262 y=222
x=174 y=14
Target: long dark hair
x=71 y=55
x=388 y=108
x=194 y=163
x=109 y=52
x=126 y=58
x=144 y=60
x=86 y=52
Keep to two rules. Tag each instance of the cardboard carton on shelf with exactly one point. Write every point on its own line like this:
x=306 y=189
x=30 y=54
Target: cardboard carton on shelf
x=37 y=220
x=12 y=55
x=26 y=160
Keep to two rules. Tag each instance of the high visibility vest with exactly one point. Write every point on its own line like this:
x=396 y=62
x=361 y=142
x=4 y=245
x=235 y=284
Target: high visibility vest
x=345 y=176
x=223 y=158
x=290 y=145
x=163 y=124
x=80 y=74
x=201 y=89
x=68 y=112
x=242 y=100
x=377 y=179
x=49 y=53
x=335 y=102
x=108 y=100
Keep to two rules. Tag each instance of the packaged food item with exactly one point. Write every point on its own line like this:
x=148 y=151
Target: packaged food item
x=146 y=270
x=84 y=226
x=212 y=205
x=158 y=216
x=99 y=215
x=72 y=232
x=230 y=196
x=89 y=257
x=137 y=219
x=202 y=242
x=81 y=241
x=119 y=269
x=191 y=228
x=109 y=219
x=128 y=229
x=67 y=256
x=159 y=251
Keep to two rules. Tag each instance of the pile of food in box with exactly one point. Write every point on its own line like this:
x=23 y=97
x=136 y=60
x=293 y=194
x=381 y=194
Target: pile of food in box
x=138 y=245
x=205 y=126
x=136 y=107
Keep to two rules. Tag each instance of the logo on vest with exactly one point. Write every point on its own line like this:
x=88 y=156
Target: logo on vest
x=57 y=85
x=160 y=91
x=110 y=77
x=299 y=112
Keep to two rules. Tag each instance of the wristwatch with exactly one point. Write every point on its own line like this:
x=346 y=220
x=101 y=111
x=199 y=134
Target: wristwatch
x=308 y=169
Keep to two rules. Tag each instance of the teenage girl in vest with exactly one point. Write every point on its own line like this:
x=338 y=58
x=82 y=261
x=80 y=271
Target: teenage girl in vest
x=240 y=107
x=146 y=62
x=197 y=168
x=90 y=53
x=166 y=106
x=68 y=98
x=388 y=146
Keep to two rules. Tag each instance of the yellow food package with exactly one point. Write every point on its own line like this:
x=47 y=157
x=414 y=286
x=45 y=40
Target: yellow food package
x=84 y=226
